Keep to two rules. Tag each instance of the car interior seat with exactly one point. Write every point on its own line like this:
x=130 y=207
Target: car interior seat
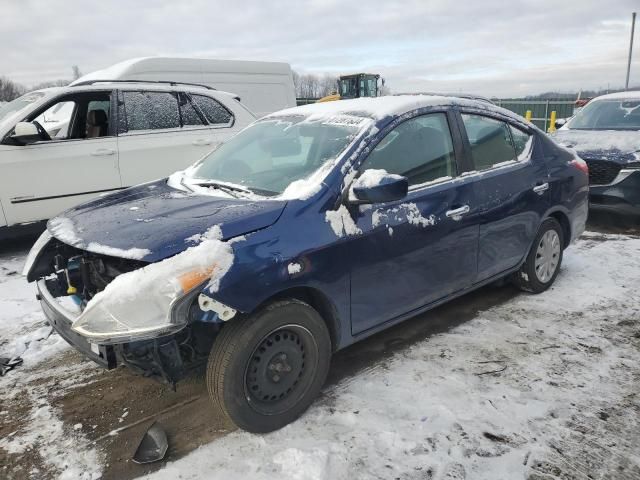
x=97 y=124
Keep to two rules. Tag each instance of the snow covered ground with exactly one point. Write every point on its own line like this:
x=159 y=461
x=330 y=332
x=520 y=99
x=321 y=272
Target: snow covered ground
x=537 y=387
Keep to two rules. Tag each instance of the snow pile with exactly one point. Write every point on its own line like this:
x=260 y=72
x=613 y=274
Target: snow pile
x=138 y=301
x=374 y=177
x=341 y=222
x=294 y=268
x=64 y=230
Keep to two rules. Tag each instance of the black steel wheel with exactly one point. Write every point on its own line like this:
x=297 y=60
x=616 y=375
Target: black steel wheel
x=266 y=369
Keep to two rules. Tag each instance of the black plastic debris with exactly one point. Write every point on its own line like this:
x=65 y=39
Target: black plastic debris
x=153 y=445
x=7 y=364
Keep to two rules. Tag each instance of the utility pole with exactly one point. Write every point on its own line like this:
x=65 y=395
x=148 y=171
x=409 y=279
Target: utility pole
x=633 y=27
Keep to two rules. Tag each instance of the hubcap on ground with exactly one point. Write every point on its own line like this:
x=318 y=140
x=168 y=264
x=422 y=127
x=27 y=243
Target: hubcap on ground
x=276 y=366
x=547 y=256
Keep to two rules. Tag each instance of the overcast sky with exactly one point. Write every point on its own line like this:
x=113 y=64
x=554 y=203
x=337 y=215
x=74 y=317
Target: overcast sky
x=491 y=47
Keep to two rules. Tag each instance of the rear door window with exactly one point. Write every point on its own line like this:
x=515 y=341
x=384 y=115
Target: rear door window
x=523 y=143
x=149 y=111
x=215 y=113
x=490 y=141
x=420 y=149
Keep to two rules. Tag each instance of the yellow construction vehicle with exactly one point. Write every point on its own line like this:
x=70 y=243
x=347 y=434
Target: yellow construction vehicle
x=355 y=86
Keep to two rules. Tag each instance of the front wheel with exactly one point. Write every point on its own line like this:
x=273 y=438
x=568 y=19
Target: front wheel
x=265 y=369
x=542 y=265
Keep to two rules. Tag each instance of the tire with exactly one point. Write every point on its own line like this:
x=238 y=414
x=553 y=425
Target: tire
x=265 y=369
x=537 y=280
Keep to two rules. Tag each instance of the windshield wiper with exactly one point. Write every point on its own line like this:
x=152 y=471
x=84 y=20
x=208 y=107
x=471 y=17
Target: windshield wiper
x=230 y=189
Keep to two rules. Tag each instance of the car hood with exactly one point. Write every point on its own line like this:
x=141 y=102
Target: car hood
x=615 y=145
x=153 y=221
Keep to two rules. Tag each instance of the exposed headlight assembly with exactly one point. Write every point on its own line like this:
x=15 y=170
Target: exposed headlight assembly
x=138 y=304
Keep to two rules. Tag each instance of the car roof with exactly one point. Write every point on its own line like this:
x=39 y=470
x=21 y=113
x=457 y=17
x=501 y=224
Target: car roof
x=628 y=95
x=378 y=108
x=134 y=85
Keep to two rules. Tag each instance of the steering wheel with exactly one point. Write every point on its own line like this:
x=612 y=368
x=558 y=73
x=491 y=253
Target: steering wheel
x=44 y=135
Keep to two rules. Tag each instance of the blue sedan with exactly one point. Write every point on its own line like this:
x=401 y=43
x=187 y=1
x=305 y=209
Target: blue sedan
x=310 y=230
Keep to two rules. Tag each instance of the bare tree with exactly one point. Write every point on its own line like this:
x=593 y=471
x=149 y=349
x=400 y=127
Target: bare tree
x=9 y=89
x=310 y=85
x=76 y=72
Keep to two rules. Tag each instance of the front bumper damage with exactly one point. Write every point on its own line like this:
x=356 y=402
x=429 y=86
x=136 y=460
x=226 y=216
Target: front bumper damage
x=61 y=320
x=168 y=358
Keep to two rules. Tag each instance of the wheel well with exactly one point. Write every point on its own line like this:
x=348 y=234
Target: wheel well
x=563 y=220
x=317 y=300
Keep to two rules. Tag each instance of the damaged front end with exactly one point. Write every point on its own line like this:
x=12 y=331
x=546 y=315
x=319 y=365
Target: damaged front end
x=159 y=327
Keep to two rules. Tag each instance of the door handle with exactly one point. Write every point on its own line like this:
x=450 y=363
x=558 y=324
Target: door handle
x=457 y=213
x=102 y=152
x=540 y=189
x=201 y=142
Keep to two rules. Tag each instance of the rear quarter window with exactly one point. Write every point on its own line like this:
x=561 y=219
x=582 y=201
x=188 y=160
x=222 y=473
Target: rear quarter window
x=214 y=111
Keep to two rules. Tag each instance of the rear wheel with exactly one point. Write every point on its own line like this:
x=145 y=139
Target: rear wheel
x=542 y=265
x=266 y=369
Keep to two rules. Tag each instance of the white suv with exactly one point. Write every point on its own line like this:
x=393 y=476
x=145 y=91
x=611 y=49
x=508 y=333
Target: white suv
x=63 y=146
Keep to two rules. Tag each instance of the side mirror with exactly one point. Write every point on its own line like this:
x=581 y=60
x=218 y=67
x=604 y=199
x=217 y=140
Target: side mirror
x=379 y=186
x=25 y=133
x=560 y=122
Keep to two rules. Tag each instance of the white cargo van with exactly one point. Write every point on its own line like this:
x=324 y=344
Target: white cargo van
x=263 y=87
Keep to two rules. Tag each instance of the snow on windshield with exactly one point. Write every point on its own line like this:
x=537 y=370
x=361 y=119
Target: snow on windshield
x=284 y=157
x=19 y=104
x=614 y=114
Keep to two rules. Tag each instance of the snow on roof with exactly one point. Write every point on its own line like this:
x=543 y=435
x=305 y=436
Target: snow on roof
x=628 y=95
x=380 y=107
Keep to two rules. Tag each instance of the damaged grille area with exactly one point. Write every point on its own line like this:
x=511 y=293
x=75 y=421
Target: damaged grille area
x=78 y=275
x=81 y=274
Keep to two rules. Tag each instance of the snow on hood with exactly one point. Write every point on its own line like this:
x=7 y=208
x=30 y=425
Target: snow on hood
x=151 y=222
x=64 y=230
x=587 y=141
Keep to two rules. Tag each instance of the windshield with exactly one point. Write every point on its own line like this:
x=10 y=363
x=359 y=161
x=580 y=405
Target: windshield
x=608 y=115
x=19 y=104
x=275 y=152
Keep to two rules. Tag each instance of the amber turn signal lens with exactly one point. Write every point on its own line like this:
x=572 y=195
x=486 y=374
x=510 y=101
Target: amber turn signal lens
x=188 y=281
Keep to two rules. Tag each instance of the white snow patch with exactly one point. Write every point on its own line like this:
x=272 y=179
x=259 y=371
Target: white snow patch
x=415 y=217
x=130 y=253
x=294 y=268
x=341 y=222
x=373 y=177
x=64 y=230
x=213 y=233
x=599 y=140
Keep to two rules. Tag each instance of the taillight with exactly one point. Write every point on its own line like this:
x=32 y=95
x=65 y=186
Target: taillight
x=580 y=165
